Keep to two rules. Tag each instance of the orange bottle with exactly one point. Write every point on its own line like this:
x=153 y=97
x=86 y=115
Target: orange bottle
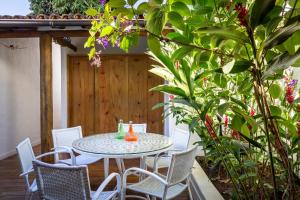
x=131 y=136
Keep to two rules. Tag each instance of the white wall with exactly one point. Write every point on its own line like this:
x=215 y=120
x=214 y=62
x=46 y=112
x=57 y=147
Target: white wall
x=19 y=93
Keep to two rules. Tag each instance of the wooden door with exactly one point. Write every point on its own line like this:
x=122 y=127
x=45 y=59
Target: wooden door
x=81 y=94
x=120 y=90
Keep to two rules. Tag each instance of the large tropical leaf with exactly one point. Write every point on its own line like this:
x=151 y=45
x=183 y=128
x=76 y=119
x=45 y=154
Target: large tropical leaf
x=259 y=10
x=156 y=20
x=170 y=90
x=236 y=66
x=229 y=33
x=281 y=35
x=166 y=62
x=281 y=62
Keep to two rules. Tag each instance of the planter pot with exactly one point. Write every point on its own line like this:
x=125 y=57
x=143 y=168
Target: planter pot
x=202 y=188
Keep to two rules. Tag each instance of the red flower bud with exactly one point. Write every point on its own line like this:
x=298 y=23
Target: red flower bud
x=235 y=134
x=252 y=112
x=289 y=90
x=171 y=97
x=290 y=99
x=226 y=120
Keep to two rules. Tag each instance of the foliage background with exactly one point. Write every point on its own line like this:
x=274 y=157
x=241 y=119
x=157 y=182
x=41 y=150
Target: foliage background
x=62 y=6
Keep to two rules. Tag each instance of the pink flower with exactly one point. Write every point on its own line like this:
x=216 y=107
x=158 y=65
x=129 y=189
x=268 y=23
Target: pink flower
x=252 y=112
x=96 y=60
x=171 y=97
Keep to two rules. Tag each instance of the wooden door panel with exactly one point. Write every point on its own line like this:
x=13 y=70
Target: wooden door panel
x=137 y=88
x=154 y=117
x=119 y=89
x=81 y=98
x=111 y=93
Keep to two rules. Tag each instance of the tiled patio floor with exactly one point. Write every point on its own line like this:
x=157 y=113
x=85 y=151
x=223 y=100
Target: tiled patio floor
x=12 y=186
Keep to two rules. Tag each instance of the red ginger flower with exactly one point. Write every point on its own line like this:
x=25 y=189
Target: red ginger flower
x=290 y=99
x=235 y=134
x=242 y=14
x=209 y=125
x=226 y=120
x=171 y=97
x=252 y=112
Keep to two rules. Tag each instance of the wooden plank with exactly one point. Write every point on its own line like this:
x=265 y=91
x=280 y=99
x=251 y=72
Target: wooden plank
x=111 y=93
x=46 y=92
x=81 y=101
x=137 y=88
x=154 y=117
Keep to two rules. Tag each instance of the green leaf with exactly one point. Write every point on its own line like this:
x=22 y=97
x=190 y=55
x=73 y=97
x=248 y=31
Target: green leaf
x=125 y=44
x=106 y=31
x=229 y=33
x=245 y=130
x=187 y=72
x=236 y=66
x=281 y=62
x=275 y=110
x=293 y=43
x=154 y=44
x=259 y=10
x=170 y=90
x=281 y=35
x=176 y=20
x=143 y=7
x=220 y=80
x=181 y=52
x=165 y=61
x=91 y=12
x=205 y=109
x=92 y=53
x=116 y=3
x=180 y=8
x=237 y=122
x=156 y=20
x=131 y=2
x=275 y=91
x=178 y=37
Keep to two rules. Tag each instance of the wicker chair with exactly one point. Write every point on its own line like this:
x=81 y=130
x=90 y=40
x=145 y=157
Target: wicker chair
x=70 y=182
x=26 y=156
x=164 y=187
x=181 y=140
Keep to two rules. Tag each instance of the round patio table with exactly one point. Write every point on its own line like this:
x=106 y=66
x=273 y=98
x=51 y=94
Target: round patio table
x=105 y=145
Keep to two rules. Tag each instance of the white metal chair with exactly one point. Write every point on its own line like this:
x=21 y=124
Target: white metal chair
x=26 y=156
x=181 y=140
x=137 y=128
x=70 y=182
x=164 y=187
x=63 y=139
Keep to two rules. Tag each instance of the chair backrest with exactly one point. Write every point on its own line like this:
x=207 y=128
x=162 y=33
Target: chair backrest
x=181 y=139
x=65 y=137
x=138 y=128
x=26 y=156
x=62 y=182
x=181 y=166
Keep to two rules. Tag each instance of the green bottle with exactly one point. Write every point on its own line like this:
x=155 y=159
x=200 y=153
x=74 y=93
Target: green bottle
x=121 y=132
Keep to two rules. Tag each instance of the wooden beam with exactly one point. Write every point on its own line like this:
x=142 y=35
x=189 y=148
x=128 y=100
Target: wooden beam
x=46 y=91
x=19 y=34
x=62 y=41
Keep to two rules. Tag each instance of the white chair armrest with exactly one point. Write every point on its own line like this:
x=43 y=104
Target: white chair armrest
x=142 y=171
x=66 y=148
x=26 y=173
x=157 y=157
x=105 y=183
x=57 y=152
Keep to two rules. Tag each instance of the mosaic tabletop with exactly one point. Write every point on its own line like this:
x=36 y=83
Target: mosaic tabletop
x=107 y=144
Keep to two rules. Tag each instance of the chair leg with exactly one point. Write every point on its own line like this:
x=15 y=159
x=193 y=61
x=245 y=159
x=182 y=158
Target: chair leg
x=190 y=191
x=119 y=164
x=106 y=167
x=142 y=166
